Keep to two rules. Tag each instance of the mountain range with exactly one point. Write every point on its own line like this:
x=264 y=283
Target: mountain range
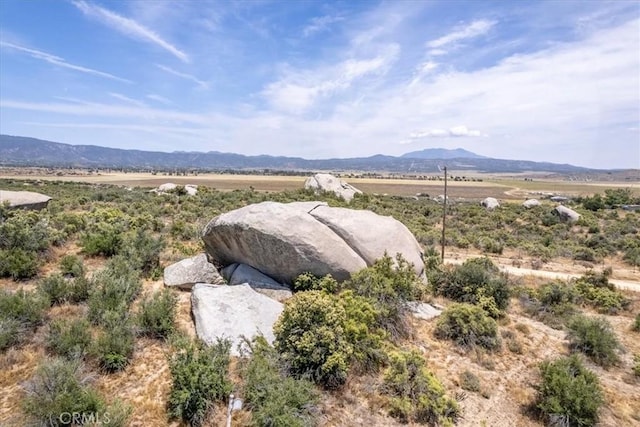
x=24 y=151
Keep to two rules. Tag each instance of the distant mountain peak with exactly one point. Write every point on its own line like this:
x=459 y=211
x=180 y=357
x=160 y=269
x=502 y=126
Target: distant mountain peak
x=442 y=153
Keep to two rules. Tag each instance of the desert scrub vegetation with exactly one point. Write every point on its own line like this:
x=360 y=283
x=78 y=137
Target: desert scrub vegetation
x=69 y=338
x=569 y=394
x=477 y=281
x=468 y=326
x=415 y=393
x=595 y=338
x=59 y=391
x=274 y=398
x=156 y=316
x=21 y=313
x=113 y=290
x=635 y=326
x=200 y=377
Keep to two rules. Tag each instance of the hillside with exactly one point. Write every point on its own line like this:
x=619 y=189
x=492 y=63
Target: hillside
x=23 y=151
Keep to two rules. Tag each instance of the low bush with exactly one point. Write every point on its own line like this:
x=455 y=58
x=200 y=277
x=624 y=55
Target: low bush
x=113 y=290
x=388 y=284
x=114 y=347
x=636 y=323
x=143 y=251
x=595 y=338
x=156 y=317
x=468 y=326
x=55 y=287
x=58 y=389
x=72 y=265
x=25 y=307
x=311 y=338
x=69 y=338
x=273 y=398
x=18 y=263
x=552 y=303
x=309 y=282
x=636 y=365
x=469 y=381
x=106 y=240
x=416 y=394
x=569 y=394
x=477 y=281
x=200 y=377
x=11 y=332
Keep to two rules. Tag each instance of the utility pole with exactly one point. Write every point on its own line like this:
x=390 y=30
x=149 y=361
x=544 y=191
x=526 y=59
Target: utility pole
x=444 y=211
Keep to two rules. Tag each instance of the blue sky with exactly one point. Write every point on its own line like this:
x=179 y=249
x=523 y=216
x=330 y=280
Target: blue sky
x=534 y=80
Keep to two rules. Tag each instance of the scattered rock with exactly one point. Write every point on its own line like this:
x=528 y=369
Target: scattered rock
x=567 y=214
x=237 y=274
x=531 y=203
x=164 y=188
x=191 y=189
x=440 y=199
x=328 y=182
x=24 y=199
x=423 y=310
x=233 y=312
x=490 y=203
x=286 y=240
x=188 y=272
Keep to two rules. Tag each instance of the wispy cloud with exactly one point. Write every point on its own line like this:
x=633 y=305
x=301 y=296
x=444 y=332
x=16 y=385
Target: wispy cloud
x=125 y=98
x=60 y=62
x=320 y=23
x=299 y=89
x=160 y=99
x=202 y=84
x=459 y=34
x=453 y=132
x=129 y=27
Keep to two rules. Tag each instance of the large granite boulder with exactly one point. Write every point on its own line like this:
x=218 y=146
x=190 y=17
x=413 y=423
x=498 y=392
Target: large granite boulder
x=530 y=203
x=24 y=199
x=233 y=312
x=490 y=203
x=188 y=272
x=286 y=240
x=566 y=214
x=328 y=182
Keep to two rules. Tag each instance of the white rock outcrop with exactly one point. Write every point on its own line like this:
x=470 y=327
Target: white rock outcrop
x=490 y=203
x=186 y=273
x=24 y=199
x=328 y=182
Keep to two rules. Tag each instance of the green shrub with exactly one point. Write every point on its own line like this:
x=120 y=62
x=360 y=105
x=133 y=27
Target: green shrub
x=636 y=365
x=469 y=381
x=28 y=308
x=200 y=377
x=18 y=263
x=595 y=338
x=11 y=332
x=476 y=281
x=388 y=285
x=114 y=347
x=552 y=303
x=58 y=388
x=468 y=326
x=311 y=338
x=157 y=314
x=113 y=290
x=569 y=394
x=636 y=323
x=69 y=338
x=55 y=287
x=72 y=265
x=143 y=251
x=416 y=394
x=309 y=282
x=105 y=240
x=273 y=398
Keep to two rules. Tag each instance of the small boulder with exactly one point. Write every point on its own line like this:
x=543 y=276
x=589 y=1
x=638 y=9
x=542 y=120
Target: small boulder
x=531 y=203
x=188 y=272
x=490 y=203
x=566 y=214
x=233 y=312
x=328 y=182
x=191 y=189
x=24 y=199
x=237 y=274
x=169 y=186
x=423 y=310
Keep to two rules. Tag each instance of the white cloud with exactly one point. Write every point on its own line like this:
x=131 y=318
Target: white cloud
x=299 y=89
x=60 y=62
x=456 y=131
x=129 y=27
x=320 y=23
x=202 y=84
x=158 y=98
x=126 y=99
x=460 y=33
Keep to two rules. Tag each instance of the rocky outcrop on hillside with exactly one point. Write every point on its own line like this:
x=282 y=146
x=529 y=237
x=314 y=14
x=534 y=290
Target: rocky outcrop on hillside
x=566 y=214
x=233 y=312
x=531 y=203
x=24 y=199
x=188 y=272
x=330 y=183
x=238 y=274
x=490 y=203
x=286 y=240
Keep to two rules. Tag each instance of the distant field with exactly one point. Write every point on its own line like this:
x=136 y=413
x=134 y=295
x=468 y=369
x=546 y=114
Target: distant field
x=501 y=188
